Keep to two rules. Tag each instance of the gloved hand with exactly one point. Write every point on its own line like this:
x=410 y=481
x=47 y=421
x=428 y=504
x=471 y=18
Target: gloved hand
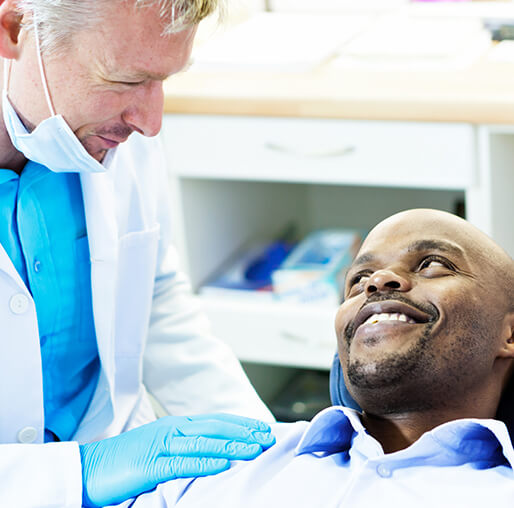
x=124 y=466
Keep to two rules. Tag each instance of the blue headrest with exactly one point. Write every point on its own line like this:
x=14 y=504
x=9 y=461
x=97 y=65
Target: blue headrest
x=341 y=397
x=339 y=394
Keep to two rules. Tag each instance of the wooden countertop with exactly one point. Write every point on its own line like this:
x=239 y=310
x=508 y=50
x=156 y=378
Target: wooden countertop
x=481 y=94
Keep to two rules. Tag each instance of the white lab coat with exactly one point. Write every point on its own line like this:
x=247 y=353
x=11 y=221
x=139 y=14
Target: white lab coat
x=148 y=326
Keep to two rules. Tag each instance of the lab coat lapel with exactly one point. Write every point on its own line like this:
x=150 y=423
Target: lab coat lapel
x=21 y=396
x=99 y=205
x=7 y=266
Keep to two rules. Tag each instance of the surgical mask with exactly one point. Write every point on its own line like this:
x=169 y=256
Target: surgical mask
x=52 y=143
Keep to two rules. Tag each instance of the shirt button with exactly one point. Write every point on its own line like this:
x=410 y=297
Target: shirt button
x=384 y=471
x=19 y=303
x=27 y=435
x=37 y=266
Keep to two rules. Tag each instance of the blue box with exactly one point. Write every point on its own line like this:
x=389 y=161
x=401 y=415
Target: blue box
x=314 y=271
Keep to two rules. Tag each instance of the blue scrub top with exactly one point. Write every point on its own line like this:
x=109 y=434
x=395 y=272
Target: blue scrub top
x=43 y=231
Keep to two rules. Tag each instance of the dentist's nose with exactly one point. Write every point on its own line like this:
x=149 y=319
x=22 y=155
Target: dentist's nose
x=385 y=281
x=144 y=115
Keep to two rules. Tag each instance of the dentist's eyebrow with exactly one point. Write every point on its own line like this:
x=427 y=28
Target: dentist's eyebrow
x=141 y=75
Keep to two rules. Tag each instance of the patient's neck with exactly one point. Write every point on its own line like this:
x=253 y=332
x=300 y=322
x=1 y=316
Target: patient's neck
x=398 y=431
x=398 y=415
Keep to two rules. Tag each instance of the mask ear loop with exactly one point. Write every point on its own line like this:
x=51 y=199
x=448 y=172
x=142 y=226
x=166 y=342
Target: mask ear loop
x=173 y=14
x=41 y=69
x=7 y=74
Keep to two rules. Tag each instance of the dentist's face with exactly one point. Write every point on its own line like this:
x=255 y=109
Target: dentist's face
x=422 y=309
x=108 y=83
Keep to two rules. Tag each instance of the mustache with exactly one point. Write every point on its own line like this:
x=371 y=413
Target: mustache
x=116 y=132
x=427 y=308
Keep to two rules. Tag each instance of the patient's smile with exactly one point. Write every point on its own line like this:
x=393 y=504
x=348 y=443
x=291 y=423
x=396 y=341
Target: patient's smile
x=376 y=318
x=386 y=326
x=395 y=312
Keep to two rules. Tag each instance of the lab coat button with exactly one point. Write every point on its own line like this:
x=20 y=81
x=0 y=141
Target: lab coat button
x=19 y=303
x=27 y=435
x=384 y=471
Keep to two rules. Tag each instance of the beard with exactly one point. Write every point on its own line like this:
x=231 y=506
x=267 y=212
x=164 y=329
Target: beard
x=399 y=382
x=392 y=368
x=381 y=383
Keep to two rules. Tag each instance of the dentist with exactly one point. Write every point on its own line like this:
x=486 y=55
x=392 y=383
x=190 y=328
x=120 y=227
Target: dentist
x=94 y=314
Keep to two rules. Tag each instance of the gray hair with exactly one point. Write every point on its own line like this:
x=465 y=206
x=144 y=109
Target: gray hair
x=57 y=20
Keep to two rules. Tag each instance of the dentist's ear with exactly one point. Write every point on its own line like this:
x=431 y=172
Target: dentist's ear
x=10 y=27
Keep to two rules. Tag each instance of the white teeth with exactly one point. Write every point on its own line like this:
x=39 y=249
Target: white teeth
x=376 y=318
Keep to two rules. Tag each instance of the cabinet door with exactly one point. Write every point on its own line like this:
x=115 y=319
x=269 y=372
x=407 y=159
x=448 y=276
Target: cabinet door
x=387 y=154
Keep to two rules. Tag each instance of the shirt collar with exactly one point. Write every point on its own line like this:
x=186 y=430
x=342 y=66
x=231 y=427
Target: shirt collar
x=7 y=175
x=477 y=439
x=333 y=430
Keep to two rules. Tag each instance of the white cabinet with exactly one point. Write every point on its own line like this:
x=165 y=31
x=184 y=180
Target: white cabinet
x=236 y=179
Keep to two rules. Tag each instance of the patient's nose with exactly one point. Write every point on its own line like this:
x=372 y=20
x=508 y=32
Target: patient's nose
x=387 y=280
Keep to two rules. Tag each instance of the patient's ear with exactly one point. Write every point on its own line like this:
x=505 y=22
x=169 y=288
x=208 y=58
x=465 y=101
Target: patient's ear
x=507 y=344
x=10 y=27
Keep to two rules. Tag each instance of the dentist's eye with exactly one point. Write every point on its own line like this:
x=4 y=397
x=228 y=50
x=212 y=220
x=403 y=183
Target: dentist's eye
x=131 y=83
x=124 y=84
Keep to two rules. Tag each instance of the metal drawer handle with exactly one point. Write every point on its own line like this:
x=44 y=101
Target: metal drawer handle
x=301 y=339
x=293 y=337
x=314 y=154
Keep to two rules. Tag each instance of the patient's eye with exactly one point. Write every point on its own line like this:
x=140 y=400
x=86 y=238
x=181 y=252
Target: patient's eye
x=357 y=282
x=357 y=278
x=435 y=263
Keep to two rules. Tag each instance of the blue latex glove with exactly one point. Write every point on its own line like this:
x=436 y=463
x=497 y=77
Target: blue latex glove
x=124 y=466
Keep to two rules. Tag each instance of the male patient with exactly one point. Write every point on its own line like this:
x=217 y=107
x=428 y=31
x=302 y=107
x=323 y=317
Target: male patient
x=426 y=341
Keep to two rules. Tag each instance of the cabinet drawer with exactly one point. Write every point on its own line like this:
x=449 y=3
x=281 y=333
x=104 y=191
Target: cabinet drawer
x=274 y=333
x=371 y=153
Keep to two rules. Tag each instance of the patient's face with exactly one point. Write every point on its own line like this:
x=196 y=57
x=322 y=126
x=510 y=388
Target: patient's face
x=422 y=314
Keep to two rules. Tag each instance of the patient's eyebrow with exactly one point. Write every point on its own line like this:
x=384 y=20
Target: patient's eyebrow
x=363 y=259
x=442 y=245
x=417 y=246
